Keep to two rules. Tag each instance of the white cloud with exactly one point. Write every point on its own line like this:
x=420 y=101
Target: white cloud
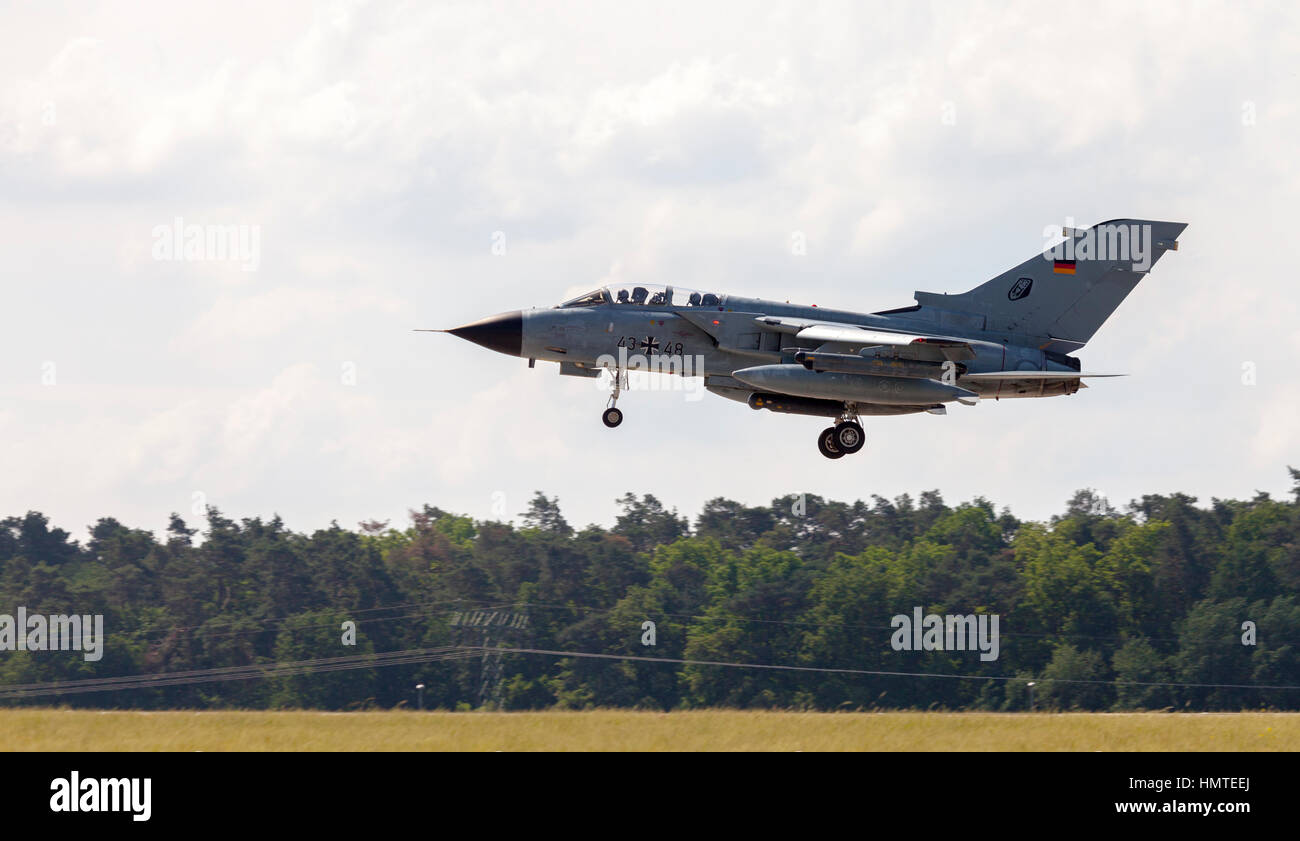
x=380 y=146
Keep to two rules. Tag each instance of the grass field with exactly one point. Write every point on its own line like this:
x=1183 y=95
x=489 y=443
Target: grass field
x=717 y=730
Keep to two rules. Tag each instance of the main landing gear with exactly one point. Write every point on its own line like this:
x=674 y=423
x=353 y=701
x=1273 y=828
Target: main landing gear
x=613 y=416
x=844 y=438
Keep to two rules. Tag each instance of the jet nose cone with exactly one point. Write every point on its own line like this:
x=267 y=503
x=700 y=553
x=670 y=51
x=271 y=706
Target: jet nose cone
x=503 y=333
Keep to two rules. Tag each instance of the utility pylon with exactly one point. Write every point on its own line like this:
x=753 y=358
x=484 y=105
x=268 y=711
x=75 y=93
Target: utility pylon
x=497 y=626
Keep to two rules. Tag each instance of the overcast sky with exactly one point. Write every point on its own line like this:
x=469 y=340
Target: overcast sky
x=379 y=152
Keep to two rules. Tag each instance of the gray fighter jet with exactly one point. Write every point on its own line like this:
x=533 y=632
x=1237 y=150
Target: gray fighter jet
x=1012 y=336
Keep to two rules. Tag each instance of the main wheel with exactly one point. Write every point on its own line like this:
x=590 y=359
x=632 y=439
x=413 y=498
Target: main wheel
x=849 y=437
x=612 y=417
x=826 y=444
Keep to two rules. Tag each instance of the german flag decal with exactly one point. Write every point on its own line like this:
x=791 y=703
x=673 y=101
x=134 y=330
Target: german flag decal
x=1063 y=266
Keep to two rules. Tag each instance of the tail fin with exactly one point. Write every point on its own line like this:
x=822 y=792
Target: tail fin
x=1060 y=297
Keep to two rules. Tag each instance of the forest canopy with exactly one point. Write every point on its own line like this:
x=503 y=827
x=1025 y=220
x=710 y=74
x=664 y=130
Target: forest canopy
x=1161 y=604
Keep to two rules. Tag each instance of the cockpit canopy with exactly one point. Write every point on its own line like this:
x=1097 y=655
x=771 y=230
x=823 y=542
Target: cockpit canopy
x=647 y=295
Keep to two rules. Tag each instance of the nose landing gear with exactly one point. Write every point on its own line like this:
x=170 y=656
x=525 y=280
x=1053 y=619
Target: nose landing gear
x=613 y=416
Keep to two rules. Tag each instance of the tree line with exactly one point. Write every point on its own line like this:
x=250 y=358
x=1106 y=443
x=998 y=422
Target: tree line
x=1164 y=604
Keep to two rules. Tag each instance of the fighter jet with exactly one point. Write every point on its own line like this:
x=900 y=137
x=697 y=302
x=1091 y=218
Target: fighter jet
x=1010 y=337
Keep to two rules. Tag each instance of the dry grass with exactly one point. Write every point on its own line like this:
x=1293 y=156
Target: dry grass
x=711 y=730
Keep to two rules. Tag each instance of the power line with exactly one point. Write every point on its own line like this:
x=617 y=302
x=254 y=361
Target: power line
x=880 y=673
x=864 y=627
x=249 y=672
x=427 y=655
x=348 y=613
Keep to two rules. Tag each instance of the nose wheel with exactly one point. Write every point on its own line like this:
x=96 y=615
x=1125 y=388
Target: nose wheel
x=844 y=438
x=612 y=417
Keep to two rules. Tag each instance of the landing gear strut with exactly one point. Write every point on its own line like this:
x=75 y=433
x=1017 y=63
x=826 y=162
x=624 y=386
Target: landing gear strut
x=845 y=437
x=613 y=416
